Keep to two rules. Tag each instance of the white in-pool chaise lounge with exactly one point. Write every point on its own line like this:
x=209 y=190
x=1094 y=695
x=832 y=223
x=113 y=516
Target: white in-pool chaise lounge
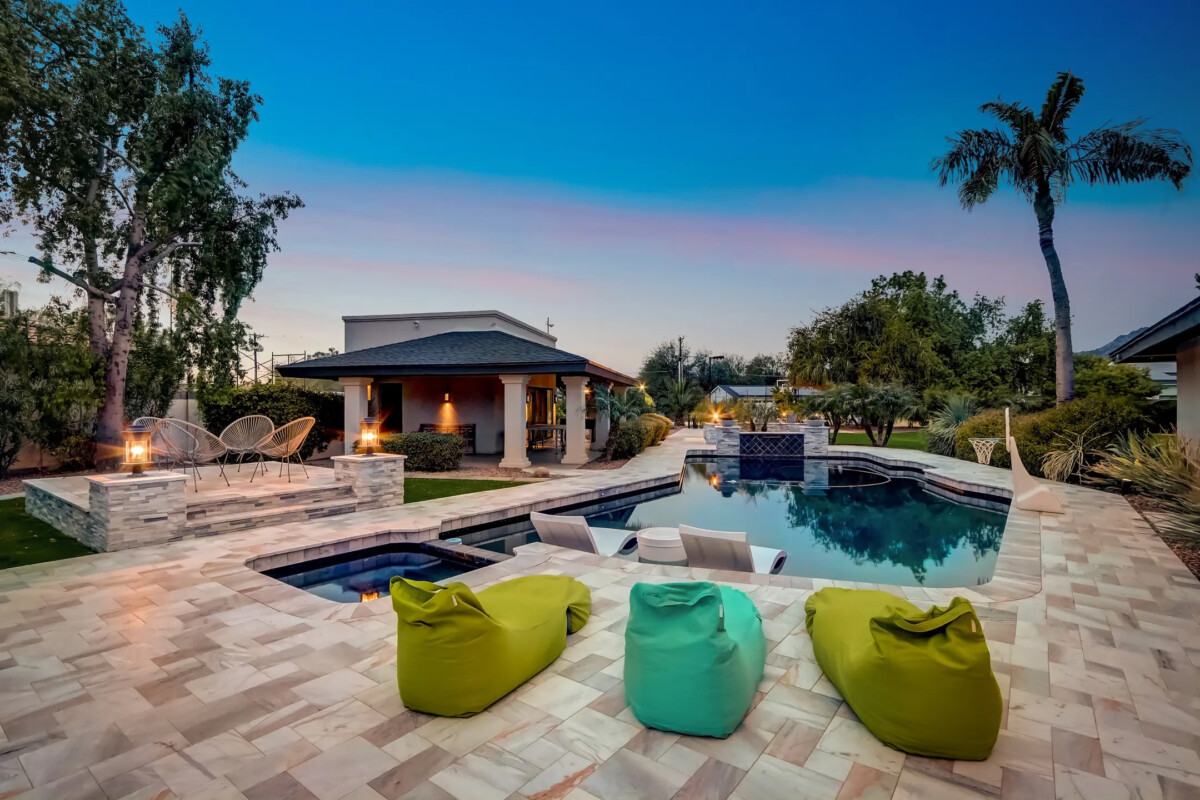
x=729 y=550
x=574 y=533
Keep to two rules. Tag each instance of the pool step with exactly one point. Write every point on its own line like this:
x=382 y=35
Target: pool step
x=212 y=524
x=206 y=509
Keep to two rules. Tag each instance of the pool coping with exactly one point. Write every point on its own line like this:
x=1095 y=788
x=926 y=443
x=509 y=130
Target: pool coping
x=1017 y=574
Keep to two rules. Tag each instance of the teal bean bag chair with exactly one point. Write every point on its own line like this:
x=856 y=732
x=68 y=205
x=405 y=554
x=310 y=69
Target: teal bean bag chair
x=921 y=681
x=458 y=651
x=694 y=655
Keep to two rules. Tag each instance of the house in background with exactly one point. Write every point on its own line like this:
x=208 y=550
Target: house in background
x=482 y=374
x=1174 y=337
x=726 y=393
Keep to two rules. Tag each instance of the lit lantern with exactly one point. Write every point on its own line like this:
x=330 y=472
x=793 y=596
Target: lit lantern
x=716 y=417
x=137 y=448
x=446 y=397
x=368 y=435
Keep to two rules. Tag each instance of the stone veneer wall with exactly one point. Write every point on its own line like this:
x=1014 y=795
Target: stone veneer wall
x=727 y=438
x=127 y=511
x=377 y=480
x=60 y=514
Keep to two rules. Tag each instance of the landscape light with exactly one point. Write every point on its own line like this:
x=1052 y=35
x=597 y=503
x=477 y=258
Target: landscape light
x=368 y=435
x=137 y=448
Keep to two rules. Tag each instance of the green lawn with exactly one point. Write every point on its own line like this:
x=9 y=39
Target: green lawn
x=418 y=489
x=903 y=440
x=25 y=540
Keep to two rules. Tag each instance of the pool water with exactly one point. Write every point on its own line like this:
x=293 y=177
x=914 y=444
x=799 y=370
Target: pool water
x=365 y=575
x=835 y=522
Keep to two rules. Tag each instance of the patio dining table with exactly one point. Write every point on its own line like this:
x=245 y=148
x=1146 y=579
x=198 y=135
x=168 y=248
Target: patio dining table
x=558 y=434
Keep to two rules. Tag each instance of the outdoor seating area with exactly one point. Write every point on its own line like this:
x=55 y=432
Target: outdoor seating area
x=177 y=444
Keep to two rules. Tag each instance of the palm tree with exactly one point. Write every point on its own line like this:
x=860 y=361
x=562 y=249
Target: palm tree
x=1035 y=156
x=620 y=406
x=681 y=397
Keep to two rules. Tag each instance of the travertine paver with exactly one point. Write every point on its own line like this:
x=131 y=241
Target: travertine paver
x=175 y=671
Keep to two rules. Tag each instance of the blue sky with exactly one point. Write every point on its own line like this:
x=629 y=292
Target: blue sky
x=642 y=171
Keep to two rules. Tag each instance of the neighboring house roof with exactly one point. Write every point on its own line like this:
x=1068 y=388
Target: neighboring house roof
x=1161 y=341
x=454 y=353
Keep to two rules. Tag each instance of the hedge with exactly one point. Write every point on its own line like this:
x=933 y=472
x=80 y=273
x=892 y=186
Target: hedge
x=1106 y=420
x=282 y=403
x=629 y=440
x=427 y=452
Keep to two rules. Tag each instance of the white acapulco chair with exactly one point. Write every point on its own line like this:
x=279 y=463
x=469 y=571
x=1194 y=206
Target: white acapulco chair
x=158 y=451
x=242 y=435
x=574 y=533
x=203 y=447
x=728 y=550
x=284 y=443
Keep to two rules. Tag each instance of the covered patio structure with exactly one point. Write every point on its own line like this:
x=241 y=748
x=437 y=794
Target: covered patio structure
x=488 y=377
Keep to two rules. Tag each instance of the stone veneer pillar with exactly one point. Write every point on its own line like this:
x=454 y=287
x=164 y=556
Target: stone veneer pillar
x=377 y=480
x=135 y=510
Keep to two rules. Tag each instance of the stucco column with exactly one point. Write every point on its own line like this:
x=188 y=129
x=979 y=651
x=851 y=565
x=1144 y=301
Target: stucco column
x=575 y=422
x=603 y=420
x=355 y=390
x=1187 y=374
x=514 y=421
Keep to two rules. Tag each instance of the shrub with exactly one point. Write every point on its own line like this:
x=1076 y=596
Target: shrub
x=282 y=403
x=629 y=439
x=953 y=411
x=657 y=428
x=1105 y=419
x=427 y=452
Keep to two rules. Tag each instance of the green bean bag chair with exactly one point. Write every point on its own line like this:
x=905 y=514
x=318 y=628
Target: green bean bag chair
x=458 y=652
x=921 y=681
x=694 y=655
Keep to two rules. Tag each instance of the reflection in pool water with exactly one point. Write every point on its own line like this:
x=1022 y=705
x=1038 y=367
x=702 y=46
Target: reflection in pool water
x=838 y=523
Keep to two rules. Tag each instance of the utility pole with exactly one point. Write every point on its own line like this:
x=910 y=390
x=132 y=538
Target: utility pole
x=549 y=325
x=680 y=370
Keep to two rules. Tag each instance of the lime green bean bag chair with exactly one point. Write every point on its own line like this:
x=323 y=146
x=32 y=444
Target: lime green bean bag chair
x=694 y=655
x=921 y=681
x=458 y=652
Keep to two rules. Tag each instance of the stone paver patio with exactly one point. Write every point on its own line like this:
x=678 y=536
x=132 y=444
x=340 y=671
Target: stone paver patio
x=176 y=671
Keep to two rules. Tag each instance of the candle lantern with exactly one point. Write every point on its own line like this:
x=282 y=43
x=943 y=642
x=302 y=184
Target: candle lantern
x=368 y=435
x=137 y=448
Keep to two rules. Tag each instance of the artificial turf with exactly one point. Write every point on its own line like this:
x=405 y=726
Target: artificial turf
x=418 y=489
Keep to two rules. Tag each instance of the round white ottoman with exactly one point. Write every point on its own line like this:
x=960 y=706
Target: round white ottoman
x=661 y=545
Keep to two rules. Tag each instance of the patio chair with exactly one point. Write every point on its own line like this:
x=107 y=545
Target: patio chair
x=574 y=533
x=284 y=443
x=192 y=446
x=241 y=436
x=158 y=450
x=729 y=550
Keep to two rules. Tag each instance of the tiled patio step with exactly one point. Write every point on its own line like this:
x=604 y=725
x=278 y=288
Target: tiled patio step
x=278 y=515
x=206 y=509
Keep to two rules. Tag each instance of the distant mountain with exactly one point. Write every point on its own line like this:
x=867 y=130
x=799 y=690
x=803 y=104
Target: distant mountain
x=1106 y=349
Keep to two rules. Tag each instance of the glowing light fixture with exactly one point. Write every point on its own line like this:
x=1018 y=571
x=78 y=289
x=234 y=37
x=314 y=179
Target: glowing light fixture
x=368 y=435
x=446 y=397
x=137 y=448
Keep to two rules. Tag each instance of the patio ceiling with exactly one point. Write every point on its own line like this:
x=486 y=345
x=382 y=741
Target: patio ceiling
x=455 y=353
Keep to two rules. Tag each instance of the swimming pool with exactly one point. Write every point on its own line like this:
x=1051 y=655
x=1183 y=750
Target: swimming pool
x=836 y=520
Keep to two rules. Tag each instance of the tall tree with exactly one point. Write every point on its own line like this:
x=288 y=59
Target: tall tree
x=1034 y=154
x=117 y=153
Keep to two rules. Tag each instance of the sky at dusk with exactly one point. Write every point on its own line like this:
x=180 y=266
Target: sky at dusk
x=719 y=171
